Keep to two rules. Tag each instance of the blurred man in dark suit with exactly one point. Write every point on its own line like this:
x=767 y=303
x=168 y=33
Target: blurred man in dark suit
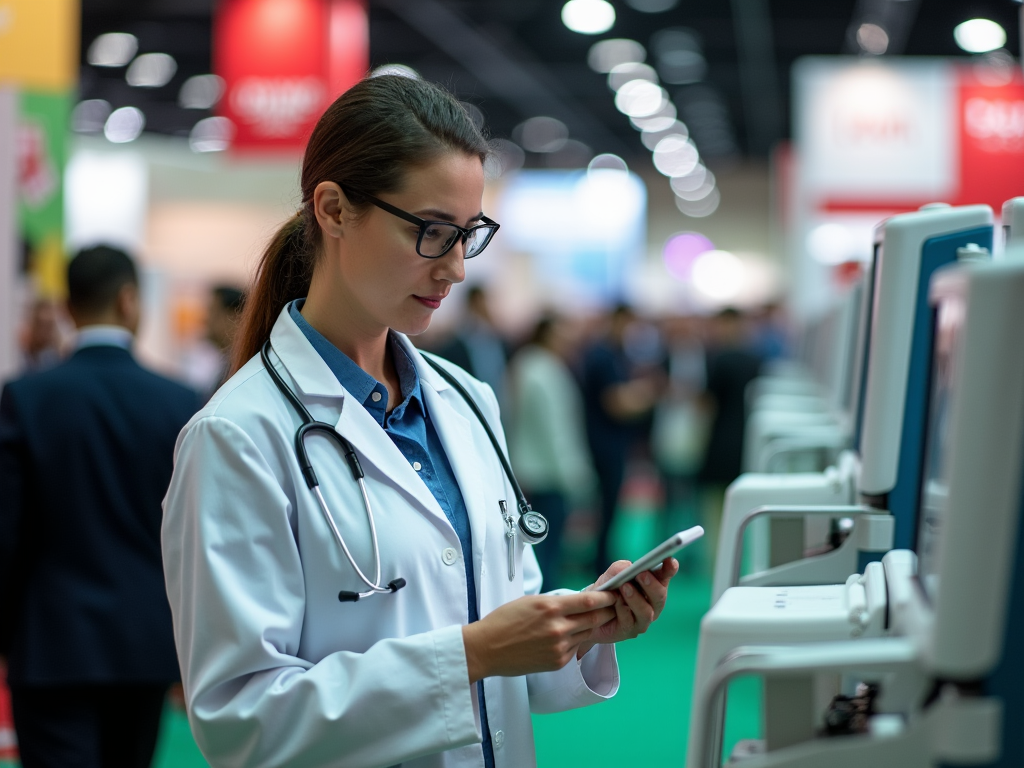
x=85 y=458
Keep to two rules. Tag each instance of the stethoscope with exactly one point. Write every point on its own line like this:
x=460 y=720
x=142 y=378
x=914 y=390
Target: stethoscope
x=532 y=526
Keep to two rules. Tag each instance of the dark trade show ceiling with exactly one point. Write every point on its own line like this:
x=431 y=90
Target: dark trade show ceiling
x=515 y=59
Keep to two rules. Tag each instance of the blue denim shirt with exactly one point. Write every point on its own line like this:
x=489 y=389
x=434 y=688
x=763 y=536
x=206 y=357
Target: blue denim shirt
x=411 y=430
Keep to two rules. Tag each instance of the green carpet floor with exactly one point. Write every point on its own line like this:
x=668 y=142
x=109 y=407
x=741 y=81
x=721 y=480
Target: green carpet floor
x=644 y=725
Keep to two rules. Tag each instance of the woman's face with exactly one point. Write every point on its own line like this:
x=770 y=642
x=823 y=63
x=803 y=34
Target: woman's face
x=391 y=284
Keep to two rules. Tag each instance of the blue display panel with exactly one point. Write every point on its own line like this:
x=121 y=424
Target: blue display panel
x=934 y=492
x=904 y=497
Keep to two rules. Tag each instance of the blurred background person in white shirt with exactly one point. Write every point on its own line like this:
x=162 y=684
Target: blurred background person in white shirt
x=547 y=437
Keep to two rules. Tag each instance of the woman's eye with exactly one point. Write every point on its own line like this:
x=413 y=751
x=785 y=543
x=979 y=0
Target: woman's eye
x=431 y=233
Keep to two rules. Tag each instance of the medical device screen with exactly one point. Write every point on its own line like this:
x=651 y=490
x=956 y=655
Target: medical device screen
x=949 y=318
x=867 y=323
x=848 y=391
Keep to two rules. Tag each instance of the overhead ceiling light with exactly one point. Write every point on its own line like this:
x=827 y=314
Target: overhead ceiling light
x=650 y=138
x=608 y=162
x=573 y=154
x=124 y=125
x=211 y=134
x=872 y=39
x=700 y=192
x=979 y=35
x=682 y=249
x=639 y=98
x=604 y=55
x=652 y=6
x=588 y=17
x=663 y=118
x=201 y=92
x=505 y=156
x=675 y=156
x=628 y=72
x=541 y=134
x=691 y=181
x=700 y=208
x=114 y=49
x=151 y=70
x=90 y=116
x=718 y=274
x=401 y=70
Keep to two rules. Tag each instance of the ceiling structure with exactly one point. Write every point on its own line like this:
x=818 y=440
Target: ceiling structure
x=515 y=59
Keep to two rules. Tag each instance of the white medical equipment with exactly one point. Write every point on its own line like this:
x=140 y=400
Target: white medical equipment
x=874 y=485
x=1013 y=222
x=944 y=687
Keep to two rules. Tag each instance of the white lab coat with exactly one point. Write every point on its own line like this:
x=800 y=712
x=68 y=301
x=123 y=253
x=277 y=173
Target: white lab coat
x=277 y=672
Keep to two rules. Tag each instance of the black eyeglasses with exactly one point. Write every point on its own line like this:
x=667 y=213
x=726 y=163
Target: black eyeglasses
x=436 y=238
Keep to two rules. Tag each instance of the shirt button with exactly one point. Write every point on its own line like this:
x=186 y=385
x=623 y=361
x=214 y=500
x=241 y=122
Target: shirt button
x=375 y=397
x=499 y=739
x=417 y=466
x=449 y=555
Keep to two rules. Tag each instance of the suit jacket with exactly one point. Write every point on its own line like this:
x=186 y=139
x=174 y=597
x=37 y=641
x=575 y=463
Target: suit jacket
x=86 y=451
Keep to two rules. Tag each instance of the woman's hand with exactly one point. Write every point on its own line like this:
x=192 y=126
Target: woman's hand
x=536 y=633
x=635 y=610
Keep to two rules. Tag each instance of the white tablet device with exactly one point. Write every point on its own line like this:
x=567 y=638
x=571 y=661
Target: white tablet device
x=653 y=559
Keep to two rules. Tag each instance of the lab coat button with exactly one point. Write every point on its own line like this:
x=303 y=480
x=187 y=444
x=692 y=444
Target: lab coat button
x=417 y=466
x=449 y=556
x=499 y=739
x=375 y=397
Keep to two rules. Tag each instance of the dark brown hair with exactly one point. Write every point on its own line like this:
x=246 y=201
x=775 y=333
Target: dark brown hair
x=368 y=139
x=96 y=275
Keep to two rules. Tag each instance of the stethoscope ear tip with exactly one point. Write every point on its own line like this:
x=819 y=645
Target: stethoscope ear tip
x=396 y=584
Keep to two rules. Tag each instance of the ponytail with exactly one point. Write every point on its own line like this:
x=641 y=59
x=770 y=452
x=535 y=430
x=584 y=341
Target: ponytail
x=368 y=138
x=284 y=273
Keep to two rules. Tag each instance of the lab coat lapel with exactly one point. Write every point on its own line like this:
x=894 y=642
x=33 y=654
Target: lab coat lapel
x=313 y=378
x=464 y=454
x=377 y=449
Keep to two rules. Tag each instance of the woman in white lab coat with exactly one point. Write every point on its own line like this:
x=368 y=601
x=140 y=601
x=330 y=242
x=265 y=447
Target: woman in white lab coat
x=446 y=670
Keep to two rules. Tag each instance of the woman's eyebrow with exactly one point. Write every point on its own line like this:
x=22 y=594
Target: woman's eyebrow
x=434 y=213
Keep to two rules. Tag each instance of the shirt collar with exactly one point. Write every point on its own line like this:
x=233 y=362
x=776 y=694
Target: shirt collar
x=103 y=336
x=361 y=385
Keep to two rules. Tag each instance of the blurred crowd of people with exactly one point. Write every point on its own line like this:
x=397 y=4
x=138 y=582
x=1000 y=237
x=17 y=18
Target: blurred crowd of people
x=595 y=405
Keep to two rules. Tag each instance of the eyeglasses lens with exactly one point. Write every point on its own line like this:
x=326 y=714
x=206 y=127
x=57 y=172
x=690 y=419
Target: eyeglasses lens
x=438 y=239
x=477 y=241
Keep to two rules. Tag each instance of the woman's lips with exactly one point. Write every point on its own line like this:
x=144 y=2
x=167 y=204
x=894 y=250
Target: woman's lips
x=429 y=301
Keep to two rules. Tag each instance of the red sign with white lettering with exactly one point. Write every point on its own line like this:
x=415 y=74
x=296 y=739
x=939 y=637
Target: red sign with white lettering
x=991 y=122
x=283 y=62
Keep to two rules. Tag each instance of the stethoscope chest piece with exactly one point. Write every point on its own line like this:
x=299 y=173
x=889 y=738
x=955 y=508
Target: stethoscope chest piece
x=533 y=527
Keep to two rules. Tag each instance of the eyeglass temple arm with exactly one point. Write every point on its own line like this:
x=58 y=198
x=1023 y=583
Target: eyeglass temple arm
x=384 y=206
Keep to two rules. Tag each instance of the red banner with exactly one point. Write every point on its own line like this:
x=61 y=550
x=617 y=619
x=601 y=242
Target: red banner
x=991 y=127
x=283 y=62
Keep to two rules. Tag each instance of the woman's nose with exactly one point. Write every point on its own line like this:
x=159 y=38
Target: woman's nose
x=452 y=266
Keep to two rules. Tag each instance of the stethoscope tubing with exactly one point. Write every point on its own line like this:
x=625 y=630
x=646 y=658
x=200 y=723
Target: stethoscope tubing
x=309 y=424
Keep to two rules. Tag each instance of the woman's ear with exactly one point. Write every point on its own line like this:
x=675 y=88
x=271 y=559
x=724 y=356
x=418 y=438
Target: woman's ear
x=331 y=207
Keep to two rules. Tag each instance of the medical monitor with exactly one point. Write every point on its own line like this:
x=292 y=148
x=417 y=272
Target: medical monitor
x=968 y=537
x=948 y=323
x=860 y=373
x=892 y=417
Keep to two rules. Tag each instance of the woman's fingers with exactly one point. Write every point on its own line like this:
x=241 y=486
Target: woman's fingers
x=613 y=569
x=642 y=610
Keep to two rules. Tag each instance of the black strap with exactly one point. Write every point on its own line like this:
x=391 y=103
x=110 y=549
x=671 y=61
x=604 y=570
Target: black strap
x=524 y=505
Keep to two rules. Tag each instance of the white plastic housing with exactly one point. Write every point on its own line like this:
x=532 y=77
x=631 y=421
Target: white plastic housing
x=896 y=286
x=962 y=633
